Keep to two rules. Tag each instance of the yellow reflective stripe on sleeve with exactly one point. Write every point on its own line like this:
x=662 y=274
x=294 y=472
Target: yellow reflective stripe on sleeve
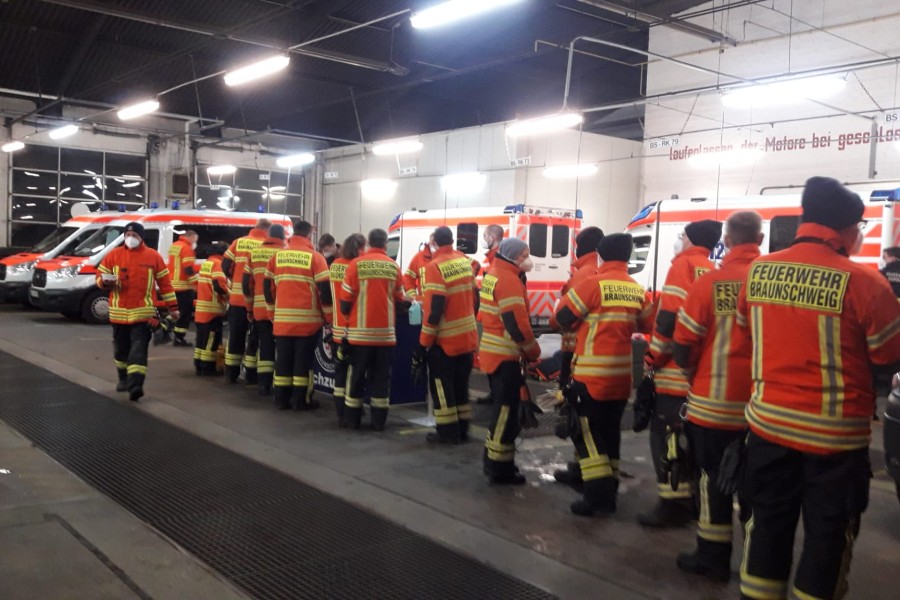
x=674 y=291
x=161 y=274
x=686 y=320
x=577 y=302
x=879 y=339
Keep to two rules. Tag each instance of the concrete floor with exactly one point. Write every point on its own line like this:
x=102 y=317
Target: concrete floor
x=439 y=492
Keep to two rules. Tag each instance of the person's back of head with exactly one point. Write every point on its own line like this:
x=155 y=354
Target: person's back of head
x=303 y=229
x=263 y=224
x=378 y=239
x=443 y=236
x=353 y=246
x=743 y=227
x=326 y=240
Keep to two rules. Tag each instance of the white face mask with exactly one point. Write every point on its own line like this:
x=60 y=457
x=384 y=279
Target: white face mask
x=486 y=244
x=132 y=242
x=881 y=264
x=526 y=265
x=194 y=246
x=432 y=247
x=678 y=247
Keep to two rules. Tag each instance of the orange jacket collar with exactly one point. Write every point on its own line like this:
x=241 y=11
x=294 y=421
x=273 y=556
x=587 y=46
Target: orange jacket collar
x=613 y=266
x=259 y=234
x=442 y=250
x=829 y=236
x=270 y=241
x=376 y=251
x=502 y=263
x=589 y=259
x=693 y=251
x=300 y=243
x=741 y=254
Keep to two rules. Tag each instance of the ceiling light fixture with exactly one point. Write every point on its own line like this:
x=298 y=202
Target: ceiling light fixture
x=12 y=146
x=295 y=160
x=783 y=92
x=378 y=189
x=63 y=132
x=257 y=70
x=392 y=148
x=139 y=109
x=454 y=10
x=463 y=183
x=544 y=124
x=220 y=169
x=570 y=171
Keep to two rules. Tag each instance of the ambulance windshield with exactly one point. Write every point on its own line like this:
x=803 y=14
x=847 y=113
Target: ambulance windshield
x=639 y=254
x=98 y=241
x=393 y=246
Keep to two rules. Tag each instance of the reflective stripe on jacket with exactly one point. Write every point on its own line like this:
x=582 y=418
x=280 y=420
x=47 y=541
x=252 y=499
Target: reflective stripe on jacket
x=448 y=311
x=211 y=304
x=502 y=292
x=139 y=272
x=239 y=254
x=256 y=268
x=583 y=268
x=181 y=266
x=301 y=307
x=415 y=273
x=371 y=289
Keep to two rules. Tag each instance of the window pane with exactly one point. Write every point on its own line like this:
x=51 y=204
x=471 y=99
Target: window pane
x=782 y=232
x=151 y=238
x=26 y=235
x=296 y=183
x=53 y=240
x=125 y=190
x=293 y=206
x=81 y=161
x=537 y=240
x=560 y=243
x=467 y=238
x=75 y=242
x=126 y=166
x=33 y=209
x=277 y=179
x=224 y=198
x=37 y=157
x=34 y=183
x=248 y=179
x=81 y=188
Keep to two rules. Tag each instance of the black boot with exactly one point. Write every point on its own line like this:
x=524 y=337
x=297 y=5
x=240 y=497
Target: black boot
x=265 y=390
x=667 y=513
x=515 y=478
x=599 y=498
x=570 y=476
x=135 y=394
x=692 y=562
x=437 y=439
x=181 y=342
x=233 y=373
x=122 y=386
x=250 y=376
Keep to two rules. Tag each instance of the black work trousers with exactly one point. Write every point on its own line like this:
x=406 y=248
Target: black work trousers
x=369 y=373
x=237 y=341
x=830 y=491
x=500 y=444
x=666 y=418
x=448 y=378
x=206 y=346
x=294 y=356
x=714 y=527
x=186 y=312
x=340 y=382
x=265 y=364
x=597 y=443
x=565 y=369
x=130 y=346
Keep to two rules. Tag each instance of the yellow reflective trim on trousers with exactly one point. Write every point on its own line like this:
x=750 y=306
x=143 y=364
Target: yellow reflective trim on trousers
x=265 y=366
x=121 y=364
x=666 y=492
x=464 y=411
x=831 y=366
x=798 y=595
x=300 y=381
x=706 y=529
x=140 y=369
x=311 y=388
x=445 y=416
x=841 y=586
x=719 y=370
x=501 y=424
x=282 y=380
x=380 y=402
x=588 y=438
x=442 y=398
x=753 y=586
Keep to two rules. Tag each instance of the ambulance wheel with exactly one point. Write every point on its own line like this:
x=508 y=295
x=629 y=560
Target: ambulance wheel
x=95 y=309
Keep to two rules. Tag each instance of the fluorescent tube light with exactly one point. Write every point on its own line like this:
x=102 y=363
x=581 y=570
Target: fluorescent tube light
x=138 y=110
x=63 y=132
x=12 y=146
x=257 y=70
x=463 y=183
x=396 y=147
x=221 y=169
x=454 y=10
x=783 y=92
x=378 y=189
x=295 y=160
x=544 y=124
x=570 y=171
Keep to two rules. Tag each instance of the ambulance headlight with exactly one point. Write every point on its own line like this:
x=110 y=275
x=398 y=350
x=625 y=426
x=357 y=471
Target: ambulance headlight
x=21 y=268
x=64 y=273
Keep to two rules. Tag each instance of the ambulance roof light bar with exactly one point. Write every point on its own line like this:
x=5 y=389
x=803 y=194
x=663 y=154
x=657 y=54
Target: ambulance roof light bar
x=885 y=195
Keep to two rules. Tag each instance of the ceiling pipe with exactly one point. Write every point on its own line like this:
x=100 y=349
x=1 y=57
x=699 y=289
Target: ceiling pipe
x=651 y=19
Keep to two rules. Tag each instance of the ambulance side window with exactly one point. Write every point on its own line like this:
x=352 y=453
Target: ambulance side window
x=559 y=245
x=782 y=232
x=151 y=238
x=467 y=238
x=537 y=240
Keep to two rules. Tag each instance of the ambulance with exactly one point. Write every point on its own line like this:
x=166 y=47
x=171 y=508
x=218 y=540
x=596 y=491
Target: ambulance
x=657 y=226
x=549 y=232
x=67 y=283
x=16 y=270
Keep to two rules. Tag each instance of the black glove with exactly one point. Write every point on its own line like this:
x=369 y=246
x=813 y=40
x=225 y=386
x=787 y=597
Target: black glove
x=571 y=427
x=418 y=368
x=343 y=353
x=731 y=470
x=528 y=412
x=327 y=335
x=644 y=403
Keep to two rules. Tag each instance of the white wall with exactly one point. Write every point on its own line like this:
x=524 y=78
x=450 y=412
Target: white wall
x=608 y=198
x=772 y=44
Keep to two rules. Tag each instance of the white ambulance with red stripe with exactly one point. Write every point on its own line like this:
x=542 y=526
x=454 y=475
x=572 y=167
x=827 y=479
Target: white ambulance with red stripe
x=549 y=232
x=657 y=226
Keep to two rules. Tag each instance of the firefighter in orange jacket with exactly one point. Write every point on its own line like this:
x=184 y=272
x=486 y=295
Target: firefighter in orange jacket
x=605 y=309
x=239 y=324
x=490 y=242
x=352 y=247
x=415 y=272
x=130 y=272
x=819 y=322
x=674 y=508
x=449 y=337
x=212 y=302
x=183 y=272
x=372 y=288
x=506 y=338
x=259 y=309
x=296 y=285
x=715 y=354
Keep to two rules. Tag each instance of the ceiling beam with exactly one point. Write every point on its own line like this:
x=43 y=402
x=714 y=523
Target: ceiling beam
x=87 y=39
x=655 y=16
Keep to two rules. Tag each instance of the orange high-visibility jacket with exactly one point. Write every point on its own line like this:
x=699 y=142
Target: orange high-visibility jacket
x=254 y=275
x=298 y=280
x=139 y=272
x=608 y=307
x=449 y=307
x=337 y=272
x=212 y=291
x=239 y=253
x=415 y=273
x=489 y=259
x=181 y=266
x=709 y=343
x=505 y=318
x=817 y=320
x=583 y=268
x=685 y=269
x=371 y=289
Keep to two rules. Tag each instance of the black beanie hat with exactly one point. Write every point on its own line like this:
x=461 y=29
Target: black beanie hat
x=706 y=233
x=615 y=246
x=276 y=231
x=826 y=202
x=135 y=228
x=587 y=240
